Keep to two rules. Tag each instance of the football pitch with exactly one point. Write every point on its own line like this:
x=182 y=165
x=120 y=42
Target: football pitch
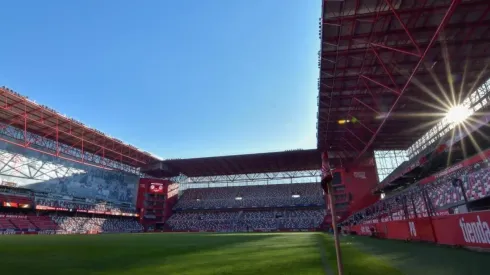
x=217 y=254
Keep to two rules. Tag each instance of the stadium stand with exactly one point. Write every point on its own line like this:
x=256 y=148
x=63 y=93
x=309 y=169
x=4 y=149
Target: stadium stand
x=280 y=195
x=103 y=207
x=5 y=224
x=40 y=173
x=250 y=208
x=269 y=220
x=15 y=198
x=68 y=225
x=20 y=211
x=96 y=225
x=43 y=223
x=22 y=224
x=444 y=194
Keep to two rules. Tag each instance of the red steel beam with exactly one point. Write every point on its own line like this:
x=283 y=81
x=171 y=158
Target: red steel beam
x=26 y=119
x=371 y=93
x=472 y=30
x=384 y=67
x=418 y=30
x=444 y=21
x=366 y=105
x=403 y=25
x=371 y=33
x=336 y=58
x=430 y=9
x=353 y=24
x=8 y=106
x=6 y=93
x=54 y=155
x=413 y=63
x=456 y=44
x=40 y=138
x=394 y=49
x=364 y=126
x=348 y=143
x=396 y=90
x=475 y=70
x=380 y=84
x=356 y=136
x=353 y=30
x=416 y=18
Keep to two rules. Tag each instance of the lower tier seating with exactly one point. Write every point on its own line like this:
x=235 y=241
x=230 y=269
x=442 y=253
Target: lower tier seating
x=239 y=221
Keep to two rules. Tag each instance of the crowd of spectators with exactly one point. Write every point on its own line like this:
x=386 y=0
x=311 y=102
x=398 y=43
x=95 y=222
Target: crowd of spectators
x=279 y=195
x=240 y=221
x=96 y=225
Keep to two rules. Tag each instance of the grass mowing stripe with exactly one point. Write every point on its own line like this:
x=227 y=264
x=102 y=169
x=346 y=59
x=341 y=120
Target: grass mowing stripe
x=356 y=261
x=323 y=255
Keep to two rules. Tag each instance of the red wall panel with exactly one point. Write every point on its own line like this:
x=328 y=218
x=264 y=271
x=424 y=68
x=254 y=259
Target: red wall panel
x=469 y=229
x=170 y=191
x=359 y=182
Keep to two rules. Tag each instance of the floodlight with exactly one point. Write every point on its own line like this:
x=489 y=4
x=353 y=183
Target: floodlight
x=238 y=198
x=295 y=196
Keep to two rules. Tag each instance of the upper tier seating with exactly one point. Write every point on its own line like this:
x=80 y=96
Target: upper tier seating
x=279 y=195
x=83 y=206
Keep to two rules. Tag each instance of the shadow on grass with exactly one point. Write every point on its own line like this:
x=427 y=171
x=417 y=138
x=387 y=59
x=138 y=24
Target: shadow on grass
x=356 y=261
x=160 y=254
x=104 y=254
x=420 y=258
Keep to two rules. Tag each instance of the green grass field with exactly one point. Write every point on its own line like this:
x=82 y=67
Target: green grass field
x=217 y=254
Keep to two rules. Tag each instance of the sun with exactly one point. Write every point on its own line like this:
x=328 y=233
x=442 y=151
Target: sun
x=457 y=114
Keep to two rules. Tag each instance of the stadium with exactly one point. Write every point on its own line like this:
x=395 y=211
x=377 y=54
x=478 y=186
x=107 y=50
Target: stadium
x=402 y=193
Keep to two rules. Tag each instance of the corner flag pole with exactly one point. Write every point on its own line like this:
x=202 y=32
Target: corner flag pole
x=327 y=179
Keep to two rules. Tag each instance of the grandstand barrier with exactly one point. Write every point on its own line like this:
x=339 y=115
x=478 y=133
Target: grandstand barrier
x=468 y=229
x=109 y=213
x=252 y=231
x=58 y=232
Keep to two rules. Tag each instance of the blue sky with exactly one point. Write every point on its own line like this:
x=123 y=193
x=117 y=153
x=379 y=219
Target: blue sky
x=179 y=79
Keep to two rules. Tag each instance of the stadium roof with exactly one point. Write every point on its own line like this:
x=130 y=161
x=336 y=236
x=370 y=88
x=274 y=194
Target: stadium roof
x=385 y=66
x=297 y=160
x=64 y=134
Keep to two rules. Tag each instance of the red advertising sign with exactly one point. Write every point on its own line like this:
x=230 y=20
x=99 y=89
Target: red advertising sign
x=469 y=229
x=10 y=204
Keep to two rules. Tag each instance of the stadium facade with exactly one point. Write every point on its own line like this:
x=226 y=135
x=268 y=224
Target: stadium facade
x=49 y=187
x=59 y=176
